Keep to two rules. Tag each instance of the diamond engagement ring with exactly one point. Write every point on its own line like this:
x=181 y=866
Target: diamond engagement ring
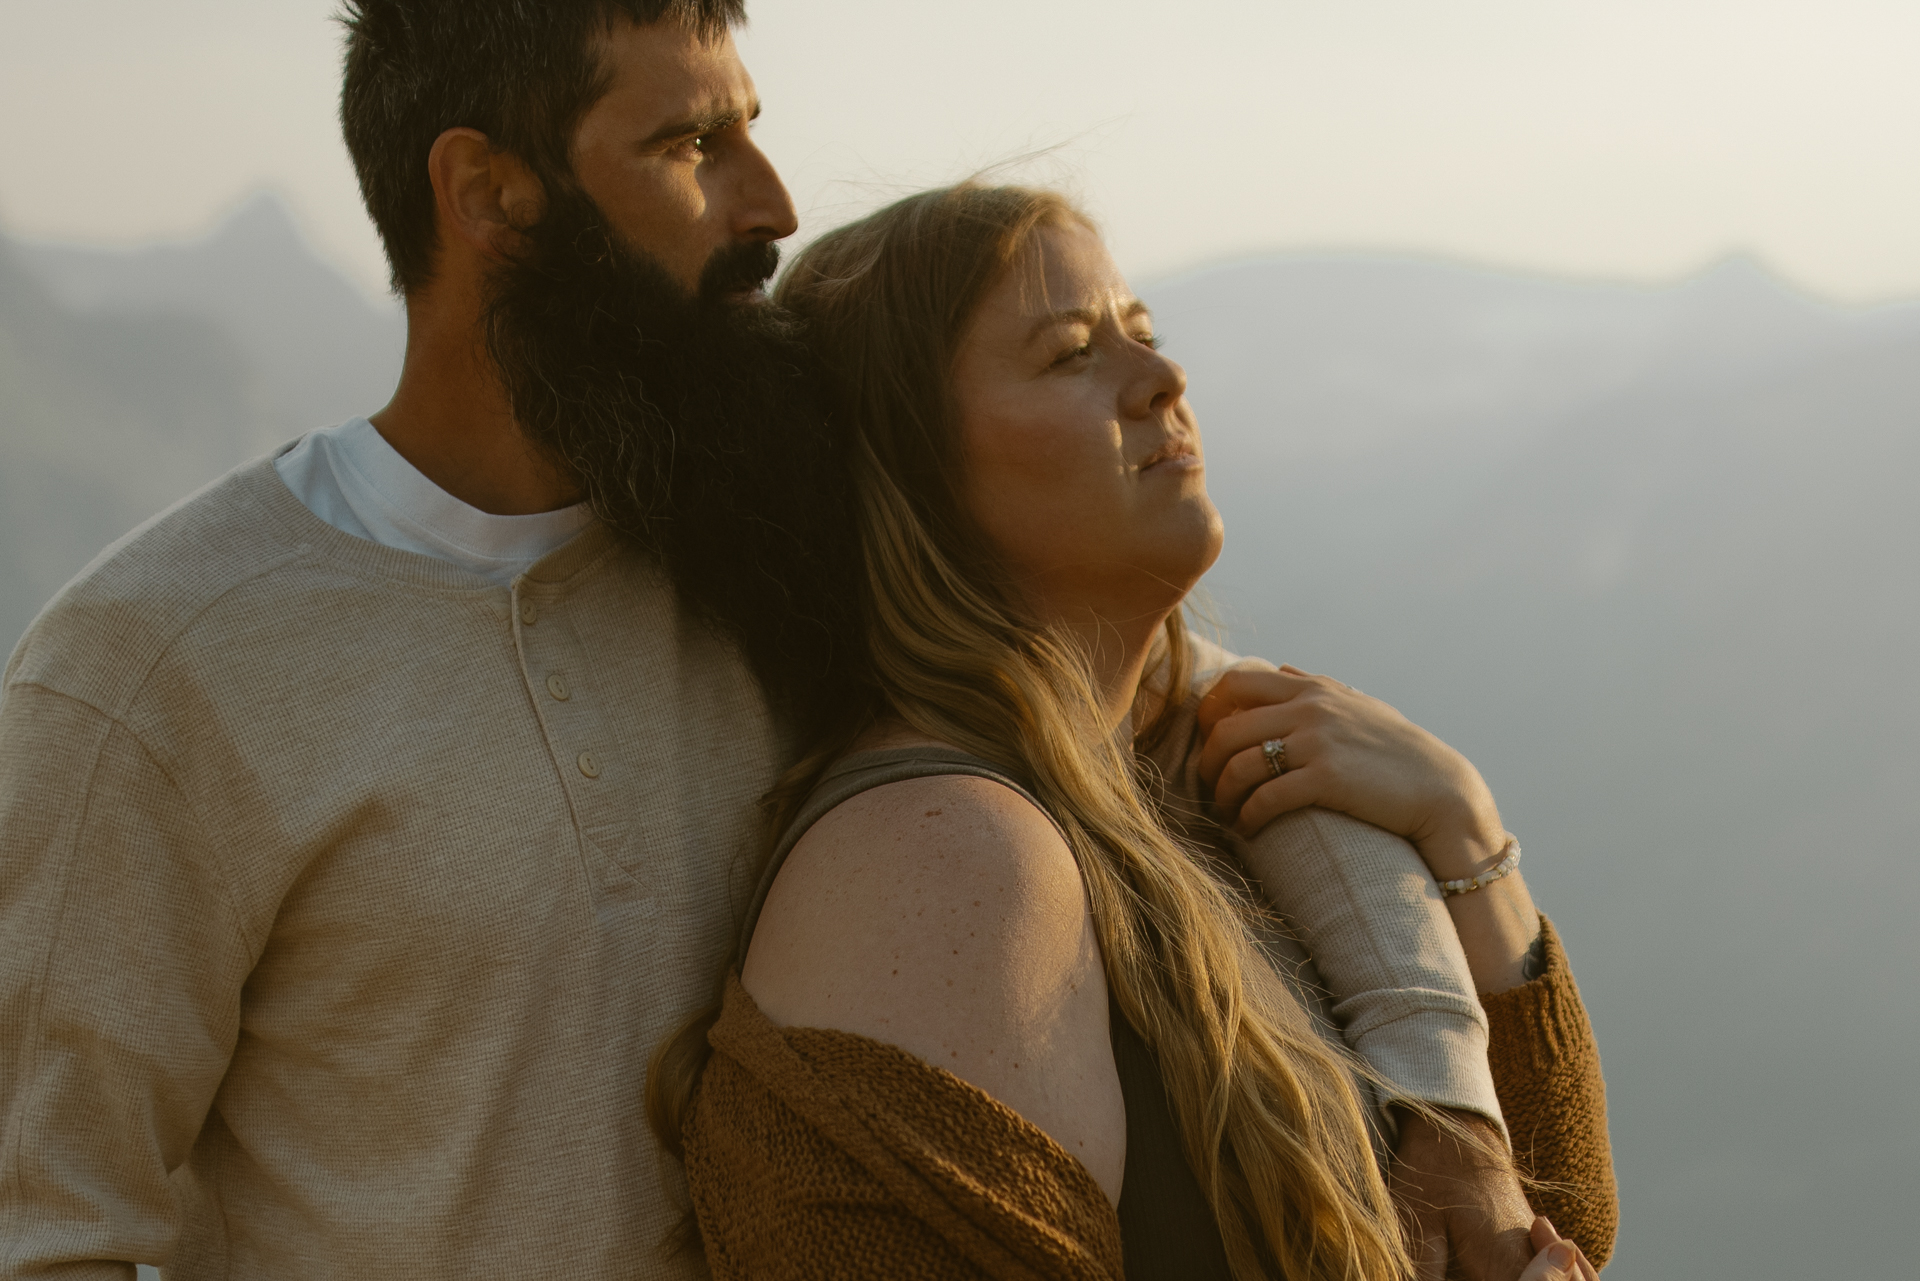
x=1275 y=750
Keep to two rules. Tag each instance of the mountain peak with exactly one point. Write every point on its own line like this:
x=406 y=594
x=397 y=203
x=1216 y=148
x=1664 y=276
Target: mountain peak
x=262 y=221
x=1746 y=277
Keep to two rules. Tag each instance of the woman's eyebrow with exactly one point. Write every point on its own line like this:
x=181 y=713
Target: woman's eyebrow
x=1084 y=316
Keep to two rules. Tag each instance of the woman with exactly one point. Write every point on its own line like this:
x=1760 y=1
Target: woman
x=991 y=960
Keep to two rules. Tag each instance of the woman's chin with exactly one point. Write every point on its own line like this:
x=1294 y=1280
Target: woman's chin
x=1179 y=550
x=1195 y=536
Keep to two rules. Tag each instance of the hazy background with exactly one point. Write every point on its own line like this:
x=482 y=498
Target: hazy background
x=1557 y=386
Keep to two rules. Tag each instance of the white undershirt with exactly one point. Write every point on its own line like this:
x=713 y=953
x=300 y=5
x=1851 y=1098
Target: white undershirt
x=350 y=477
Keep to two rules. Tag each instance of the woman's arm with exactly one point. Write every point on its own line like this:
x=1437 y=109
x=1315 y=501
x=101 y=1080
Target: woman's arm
x=946 y=916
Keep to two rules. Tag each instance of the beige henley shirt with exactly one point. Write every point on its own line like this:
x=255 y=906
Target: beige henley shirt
x=345 y=896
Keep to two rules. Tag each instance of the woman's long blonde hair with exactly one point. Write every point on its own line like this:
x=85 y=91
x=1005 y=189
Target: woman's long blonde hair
x=1268 y=1114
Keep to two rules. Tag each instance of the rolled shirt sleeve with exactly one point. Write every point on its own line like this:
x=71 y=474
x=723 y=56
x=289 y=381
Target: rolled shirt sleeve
x=1368 y=911
x=122 y=963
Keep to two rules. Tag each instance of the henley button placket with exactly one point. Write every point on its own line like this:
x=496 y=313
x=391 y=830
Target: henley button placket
x=559 y=674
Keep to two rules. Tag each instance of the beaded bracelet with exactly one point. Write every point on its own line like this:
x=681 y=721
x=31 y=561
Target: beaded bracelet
x=1506 y=865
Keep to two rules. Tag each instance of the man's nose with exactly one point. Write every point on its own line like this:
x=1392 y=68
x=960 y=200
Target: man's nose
x=765 y=210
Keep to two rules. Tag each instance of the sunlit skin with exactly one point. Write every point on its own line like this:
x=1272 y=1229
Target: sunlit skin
x=1084 y=467
x=668 y=156
x=1083 y=459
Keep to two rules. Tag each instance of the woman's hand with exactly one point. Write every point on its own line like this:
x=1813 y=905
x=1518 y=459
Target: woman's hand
x=1348 y=752
x=1559 y=1259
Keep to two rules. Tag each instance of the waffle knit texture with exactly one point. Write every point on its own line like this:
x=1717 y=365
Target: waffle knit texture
x=333 y=940
x=1547 y=1068
x=818 y=1154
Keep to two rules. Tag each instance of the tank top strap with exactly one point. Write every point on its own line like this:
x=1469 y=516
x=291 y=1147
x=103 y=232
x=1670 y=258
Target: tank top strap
x=859 y=772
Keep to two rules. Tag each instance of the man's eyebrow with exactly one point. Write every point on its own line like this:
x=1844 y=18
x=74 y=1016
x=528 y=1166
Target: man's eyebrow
x=1084 y=316
x=696 y=126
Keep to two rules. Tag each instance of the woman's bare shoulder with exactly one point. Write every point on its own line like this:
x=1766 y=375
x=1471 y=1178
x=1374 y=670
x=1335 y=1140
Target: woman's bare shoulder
x=946 y=916
x=908 y=887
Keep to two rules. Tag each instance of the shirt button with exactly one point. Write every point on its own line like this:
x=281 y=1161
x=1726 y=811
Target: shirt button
x=557 y=686
x=589 y=766
x=529 y=613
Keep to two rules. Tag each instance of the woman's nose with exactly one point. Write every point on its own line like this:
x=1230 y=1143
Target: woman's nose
x=1159 y=387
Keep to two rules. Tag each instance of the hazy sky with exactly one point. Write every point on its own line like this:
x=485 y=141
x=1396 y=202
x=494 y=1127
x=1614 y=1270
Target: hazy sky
x=1617 y=138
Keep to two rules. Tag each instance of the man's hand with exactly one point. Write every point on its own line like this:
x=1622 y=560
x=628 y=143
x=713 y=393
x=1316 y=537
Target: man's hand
x=1559 y=1259
x=1466 y=1215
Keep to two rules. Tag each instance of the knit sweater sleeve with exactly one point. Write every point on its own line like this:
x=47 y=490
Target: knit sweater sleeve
x=1546 y=1069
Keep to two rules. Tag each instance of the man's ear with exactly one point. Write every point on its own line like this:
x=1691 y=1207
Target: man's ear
x=485 y=195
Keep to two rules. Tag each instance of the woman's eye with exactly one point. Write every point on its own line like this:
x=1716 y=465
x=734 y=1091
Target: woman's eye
x=1150 y=341
x=1066 y=357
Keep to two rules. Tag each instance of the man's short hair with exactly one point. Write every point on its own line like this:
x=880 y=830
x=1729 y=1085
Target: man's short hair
x=520 y=71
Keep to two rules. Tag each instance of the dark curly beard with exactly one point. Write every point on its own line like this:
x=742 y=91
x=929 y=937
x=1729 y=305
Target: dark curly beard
x=697 y=426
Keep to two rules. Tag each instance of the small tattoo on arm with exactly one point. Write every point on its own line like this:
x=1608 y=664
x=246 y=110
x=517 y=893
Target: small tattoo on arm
x=1536 y=963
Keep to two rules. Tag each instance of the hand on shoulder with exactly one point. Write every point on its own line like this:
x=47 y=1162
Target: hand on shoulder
x=946 y=916
x=1348 y=752
x=1343 y=751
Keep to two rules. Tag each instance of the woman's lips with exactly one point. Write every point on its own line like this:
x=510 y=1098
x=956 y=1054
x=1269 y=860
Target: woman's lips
x=1176 y=453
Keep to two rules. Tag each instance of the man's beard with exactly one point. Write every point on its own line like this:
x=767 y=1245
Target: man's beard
x=695 y=425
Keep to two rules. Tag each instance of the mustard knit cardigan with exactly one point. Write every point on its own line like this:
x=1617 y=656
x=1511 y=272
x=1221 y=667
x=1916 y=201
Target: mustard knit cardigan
x=819 y=1154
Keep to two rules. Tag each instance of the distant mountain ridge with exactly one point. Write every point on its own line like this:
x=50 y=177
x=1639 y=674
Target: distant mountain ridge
x=128 y=378
x=321 y=351
x=1652 y=559
x=1650 y=556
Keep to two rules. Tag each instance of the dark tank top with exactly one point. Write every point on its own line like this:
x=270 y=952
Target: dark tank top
x=1167 y=1230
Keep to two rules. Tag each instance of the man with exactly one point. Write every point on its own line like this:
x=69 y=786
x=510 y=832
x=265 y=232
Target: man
x=367 y=819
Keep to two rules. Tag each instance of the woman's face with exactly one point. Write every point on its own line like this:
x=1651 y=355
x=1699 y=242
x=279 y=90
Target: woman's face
x=1082 y=456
